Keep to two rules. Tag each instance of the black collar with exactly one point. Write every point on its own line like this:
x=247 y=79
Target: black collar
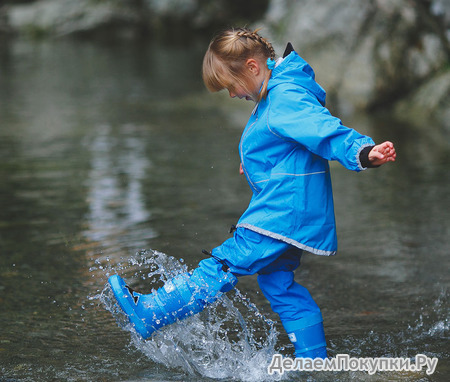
x=288 y=50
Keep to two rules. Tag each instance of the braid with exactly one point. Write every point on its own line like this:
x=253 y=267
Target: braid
x=268 y=50
x=224 y=61
x=253 y=35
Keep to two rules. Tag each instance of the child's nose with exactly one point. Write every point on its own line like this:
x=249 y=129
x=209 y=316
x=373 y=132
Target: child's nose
x=232 y=95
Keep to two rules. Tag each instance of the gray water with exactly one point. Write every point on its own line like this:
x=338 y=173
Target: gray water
x=110 y=153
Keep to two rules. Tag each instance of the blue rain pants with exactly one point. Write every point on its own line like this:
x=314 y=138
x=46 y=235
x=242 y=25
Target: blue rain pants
x=248 y=253
x=274 y=261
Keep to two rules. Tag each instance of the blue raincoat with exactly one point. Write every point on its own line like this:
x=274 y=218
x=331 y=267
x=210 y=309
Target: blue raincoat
x=285 y=149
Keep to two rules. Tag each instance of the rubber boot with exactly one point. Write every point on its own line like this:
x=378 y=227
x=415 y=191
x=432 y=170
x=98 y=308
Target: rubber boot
x=180 y=297
x=308 y=336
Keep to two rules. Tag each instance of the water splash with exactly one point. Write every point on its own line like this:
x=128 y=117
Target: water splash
x=229 y=340
x=433 y=319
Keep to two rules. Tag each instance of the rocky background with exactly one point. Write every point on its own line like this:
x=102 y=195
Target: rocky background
x=371 y=55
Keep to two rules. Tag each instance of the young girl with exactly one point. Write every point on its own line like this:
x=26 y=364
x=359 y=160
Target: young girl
x=284 y=152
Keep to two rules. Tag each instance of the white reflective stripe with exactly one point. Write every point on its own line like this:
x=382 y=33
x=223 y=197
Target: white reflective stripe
x=311 y=173
x=287 y=174
x=288 y=240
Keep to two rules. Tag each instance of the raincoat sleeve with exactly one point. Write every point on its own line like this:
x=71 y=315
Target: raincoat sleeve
x=297 y=115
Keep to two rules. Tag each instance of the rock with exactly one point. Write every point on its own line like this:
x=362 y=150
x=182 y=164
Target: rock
x=368 y=54
x=67 y=17
x=172 y=8
x=127 y=17
x=429 y=104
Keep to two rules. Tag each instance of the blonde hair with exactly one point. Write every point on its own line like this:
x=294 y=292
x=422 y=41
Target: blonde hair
x=224 y=61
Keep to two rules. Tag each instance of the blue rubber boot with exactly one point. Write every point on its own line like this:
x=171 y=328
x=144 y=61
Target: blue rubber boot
x=308 y=336
x=180 y=297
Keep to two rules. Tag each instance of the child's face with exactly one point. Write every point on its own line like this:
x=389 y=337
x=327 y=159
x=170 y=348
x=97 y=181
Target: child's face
x=249 y=89
x=239 y=92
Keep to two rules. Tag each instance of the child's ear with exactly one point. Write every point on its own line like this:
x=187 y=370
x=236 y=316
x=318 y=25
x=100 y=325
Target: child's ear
x=253 y=66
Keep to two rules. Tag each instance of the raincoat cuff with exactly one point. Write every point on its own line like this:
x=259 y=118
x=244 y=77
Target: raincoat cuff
x=364 y=157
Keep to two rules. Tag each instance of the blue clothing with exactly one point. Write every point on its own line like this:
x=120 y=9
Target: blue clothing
x=285 y=149
x=274 y=261
x=248 y=252
x=289 y=299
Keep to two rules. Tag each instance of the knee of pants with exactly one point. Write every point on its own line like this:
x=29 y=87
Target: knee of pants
x=275 y=284
x=289 y=299
x=211 y=280
x=288 y=261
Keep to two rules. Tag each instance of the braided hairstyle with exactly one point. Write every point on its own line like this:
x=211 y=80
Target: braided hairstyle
x=224 y=61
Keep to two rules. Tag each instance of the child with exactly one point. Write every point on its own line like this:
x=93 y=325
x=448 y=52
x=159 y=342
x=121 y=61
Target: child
x=284 y=152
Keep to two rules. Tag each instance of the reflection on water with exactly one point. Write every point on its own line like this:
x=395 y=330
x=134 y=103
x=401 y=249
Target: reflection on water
x=116 y=195
x=107 y=151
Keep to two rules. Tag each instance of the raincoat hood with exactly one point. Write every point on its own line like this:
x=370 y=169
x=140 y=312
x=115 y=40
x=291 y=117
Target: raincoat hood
x=295 y=69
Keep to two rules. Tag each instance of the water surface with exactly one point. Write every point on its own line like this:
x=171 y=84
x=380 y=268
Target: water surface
x=109 y=151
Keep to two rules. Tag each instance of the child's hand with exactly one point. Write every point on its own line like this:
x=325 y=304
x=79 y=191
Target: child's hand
x=382 y=153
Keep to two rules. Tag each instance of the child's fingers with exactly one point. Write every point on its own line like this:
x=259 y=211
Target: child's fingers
x=382 y=153
x=378 y=154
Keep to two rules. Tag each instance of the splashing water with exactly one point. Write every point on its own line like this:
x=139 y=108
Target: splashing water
x=229 y=339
